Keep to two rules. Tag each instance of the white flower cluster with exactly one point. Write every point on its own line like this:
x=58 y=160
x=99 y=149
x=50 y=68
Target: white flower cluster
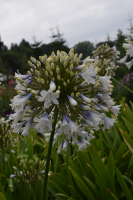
x=30 y=171
x=80 y=96
x=7 y=139
x=129 y=51
x=105 y=57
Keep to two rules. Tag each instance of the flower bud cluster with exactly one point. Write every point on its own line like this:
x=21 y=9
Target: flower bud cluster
x=7 y=139
x=105 y=58
x=58 y=82
x=129 y=51
x=29 y=171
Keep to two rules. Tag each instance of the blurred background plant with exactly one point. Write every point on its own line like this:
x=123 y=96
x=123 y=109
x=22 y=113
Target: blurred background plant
x=7 y=137
x=7 y=92
x=105 y=59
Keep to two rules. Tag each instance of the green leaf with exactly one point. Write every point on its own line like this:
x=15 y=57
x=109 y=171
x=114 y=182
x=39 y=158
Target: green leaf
x=83 y=186
x=111 y=167
x=119 y=153
x=128 y=113
x=123 y=185
x=90 y=184
x=2 y=175
x=103 y=193
x=2 y=197
x=59 y=194
x=128 y=179
x=101 y=170
x=22 y=156
x=128 y=141
x=129 y=125
x=30 y=147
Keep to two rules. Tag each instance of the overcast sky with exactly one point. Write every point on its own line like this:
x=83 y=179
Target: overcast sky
x=78 y=20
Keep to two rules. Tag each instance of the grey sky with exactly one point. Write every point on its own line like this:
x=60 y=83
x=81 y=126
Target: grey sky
x=78 y=20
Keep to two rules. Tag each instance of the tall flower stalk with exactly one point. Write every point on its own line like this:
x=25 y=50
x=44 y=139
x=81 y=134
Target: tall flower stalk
x=60 y=98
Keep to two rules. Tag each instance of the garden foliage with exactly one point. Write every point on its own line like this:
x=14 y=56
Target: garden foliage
x=102 y=171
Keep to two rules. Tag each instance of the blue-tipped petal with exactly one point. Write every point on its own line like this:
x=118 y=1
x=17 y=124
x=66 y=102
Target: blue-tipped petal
x=12 y=175
x=80 y=74
x=70 y=121
x=52 y=85
x=42 y=172
x=72 y=101
x=65 y=145
x=64 y=120
x=86 y=99
x=60 y=147
x=81 y=61
x=46 y=116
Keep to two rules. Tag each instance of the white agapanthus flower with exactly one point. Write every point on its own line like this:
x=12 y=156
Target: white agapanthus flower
x=15 y=117
x=49 y=96
x=129 y=64
x=18 y=104
x=89 y=74
x=44 y=124
x=108 y=123
x=16 y=127
x=129 y=51
x=65 y=128
x=26 y=129
x=115 y=110
x=57 y=90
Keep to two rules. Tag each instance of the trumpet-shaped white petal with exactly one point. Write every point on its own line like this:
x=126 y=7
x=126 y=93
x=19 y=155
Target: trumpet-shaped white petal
x=65 y=145
x=89 y=74
x=123 y=59
x=109 y=102
x=21 y=76
x=115 y=110
x=60 y=148
x=19 y=86
x=94 y=118
x=17 y=127
x=19 y=103
x=129 y=64
x=27 y=128
x=65 y=129
x=105 y=81
x=44 y=124
x=108 y=122
x=15 y=117
x=49 y=97
x=76 y=130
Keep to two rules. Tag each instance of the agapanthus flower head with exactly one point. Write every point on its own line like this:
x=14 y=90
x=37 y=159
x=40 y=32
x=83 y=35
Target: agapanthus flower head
x=129 y=50
x=77 y=92
x=29 y=171
x=7 y=138
x=105 y=58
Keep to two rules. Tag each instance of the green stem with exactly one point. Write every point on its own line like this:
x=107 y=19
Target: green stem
x=122 y=85
x=49 y=155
